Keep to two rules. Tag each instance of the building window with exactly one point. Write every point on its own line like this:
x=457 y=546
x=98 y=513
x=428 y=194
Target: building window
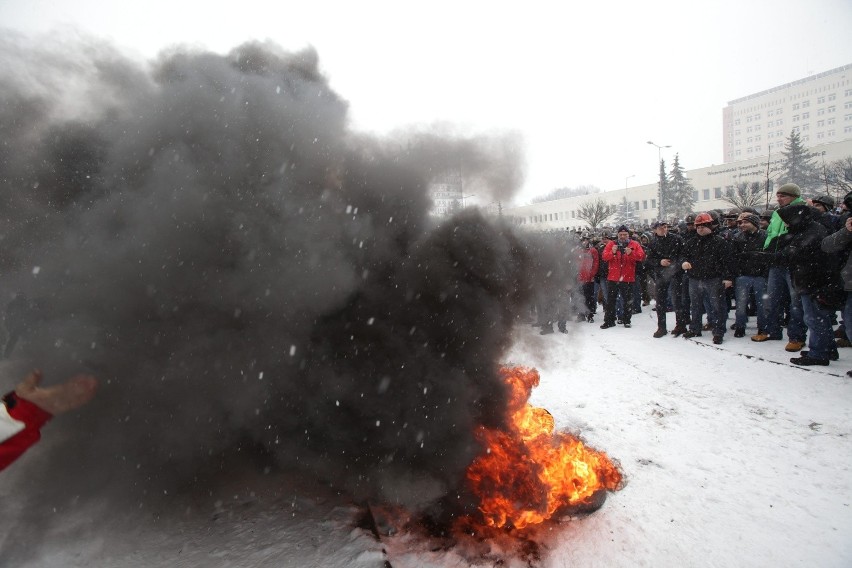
x=847 y=129
x=806 y=104
x=820 y=123
x=831 y=97
x=706 y=193
x=795 y=118
x=806 y=127
x=830 y=121
x=796 y=106
x=695 y=195
x=848 y=93
x=832 y=108
x=770 y=113
x=820 y=135
x=749 y=129
x=820 y=111
x=653 y=204
x=805 y=138
x=831 y=133
x=795 y=129
x=847 y=104
x=717 y=192
x=806 y=115
x=820 y=100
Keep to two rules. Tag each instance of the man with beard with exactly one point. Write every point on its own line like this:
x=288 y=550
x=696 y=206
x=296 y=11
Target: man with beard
x=621 y=256
x=664 y=252
x=708 y=260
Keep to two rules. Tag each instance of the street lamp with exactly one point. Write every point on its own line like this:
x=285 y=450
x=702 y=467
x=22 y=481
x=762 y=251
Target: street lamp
x=626 y=200
x=662 y=207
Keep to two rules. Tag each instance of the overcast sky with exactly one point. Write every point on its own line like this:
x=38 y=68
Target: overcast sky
x=586 y=86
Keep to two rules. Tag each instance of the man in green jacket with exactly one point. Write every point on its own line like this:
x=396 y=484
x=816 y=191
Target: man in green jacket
x=779 y=283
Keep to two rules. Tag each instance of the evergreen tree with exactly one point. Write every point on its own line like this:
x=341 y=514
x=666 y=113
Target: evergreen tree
x=799 y=166
x=626 y=213
x=662 y=192
x=681 y=192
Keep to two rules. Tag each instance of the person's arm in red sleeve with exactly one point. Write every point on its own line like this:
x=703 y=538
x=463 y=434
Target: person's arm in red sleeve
x=25 y=410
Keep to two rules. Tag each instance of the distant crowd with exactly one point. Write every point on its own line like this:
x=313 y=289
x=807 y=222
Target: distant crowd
x=783 y=268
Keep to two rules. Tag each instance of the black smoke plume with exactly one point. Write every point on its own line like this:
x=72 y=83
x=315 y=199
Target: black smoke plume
x=247 y=276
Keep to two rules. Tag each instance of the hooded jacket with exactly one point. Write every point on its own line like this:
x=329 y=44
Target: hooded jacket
x=812 y=270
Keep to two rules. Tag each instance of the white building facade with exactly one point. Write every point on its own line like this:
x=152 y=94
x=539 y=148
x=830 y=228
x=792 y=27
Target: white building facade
x=755 y=129
x=818 y=107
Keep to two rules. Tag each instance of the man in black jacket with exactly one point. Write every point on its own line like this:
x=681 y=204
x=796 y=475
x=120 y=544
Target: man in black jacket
x=752 y=270
x=709 y=262
x=663 y=258
x=815 y=277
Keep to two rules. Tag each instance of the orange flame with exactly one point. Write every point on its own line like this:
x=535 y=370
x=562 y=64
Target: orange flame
x=529 y=472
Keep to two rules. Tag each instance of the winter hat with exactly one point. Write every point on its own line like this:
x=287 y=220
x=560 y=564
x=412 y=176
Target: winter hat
x=750 y=218
x=847 y=201
x=623 y=228
x=790 y=189
x=656 y=224
x=825 y=200
x=795 y=215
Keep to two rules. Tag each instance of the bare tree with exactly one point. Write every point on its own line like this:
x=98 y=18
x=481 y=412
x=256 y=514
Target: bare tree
x=745 y=194
x=836 y=177
x=595 y=212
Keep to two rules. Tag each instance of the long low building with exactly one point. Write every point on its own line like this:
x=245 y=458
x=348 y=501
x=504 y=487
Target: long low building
x=710 y=183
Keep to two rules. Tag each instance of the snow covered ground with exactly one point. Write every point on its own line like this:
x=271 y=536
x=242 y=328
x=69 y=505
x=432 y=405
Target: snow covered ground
x=733 y=457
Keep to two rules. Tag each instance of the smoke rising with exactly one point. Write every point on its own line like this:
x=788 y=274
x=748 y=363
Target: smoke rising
x=247 y=276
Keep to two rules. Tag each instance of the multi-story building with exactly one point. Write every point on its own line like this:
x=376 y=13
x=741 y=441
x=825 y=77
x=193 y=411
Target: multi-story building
x=819 y=108
x=446 y=195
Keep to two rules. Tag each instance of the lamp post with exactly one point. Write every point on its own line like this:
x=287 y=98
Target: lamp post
x=626 y=200
x=662 y=207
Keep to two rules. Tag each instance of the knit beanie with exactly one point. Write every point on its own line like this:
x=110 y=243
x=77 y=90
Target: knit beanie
x=790 y=189
x=752 y=218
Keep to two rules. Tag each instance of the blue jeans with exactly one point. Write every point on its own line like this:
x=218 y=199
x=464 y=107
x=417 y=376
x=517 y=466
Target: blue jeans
x=744 y=286
x=713 y=291
x=777 y=284
x=818 y=318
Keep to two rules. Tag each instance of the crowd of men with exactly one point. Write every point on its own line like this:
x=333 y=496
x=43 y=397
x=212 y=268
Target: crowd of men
x=787 y=267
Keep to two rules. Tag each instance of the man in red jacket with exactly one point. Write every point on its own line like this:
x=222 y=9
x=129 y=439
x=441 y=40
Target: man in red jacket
x=26 y=409
x=588 y=261
x=621 y=256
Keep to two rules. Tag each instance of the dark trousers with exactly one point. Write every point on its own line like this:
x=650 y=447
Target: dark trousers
x=614 y=289
x=673 y=284
x=713 y=291
x=589 y=297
